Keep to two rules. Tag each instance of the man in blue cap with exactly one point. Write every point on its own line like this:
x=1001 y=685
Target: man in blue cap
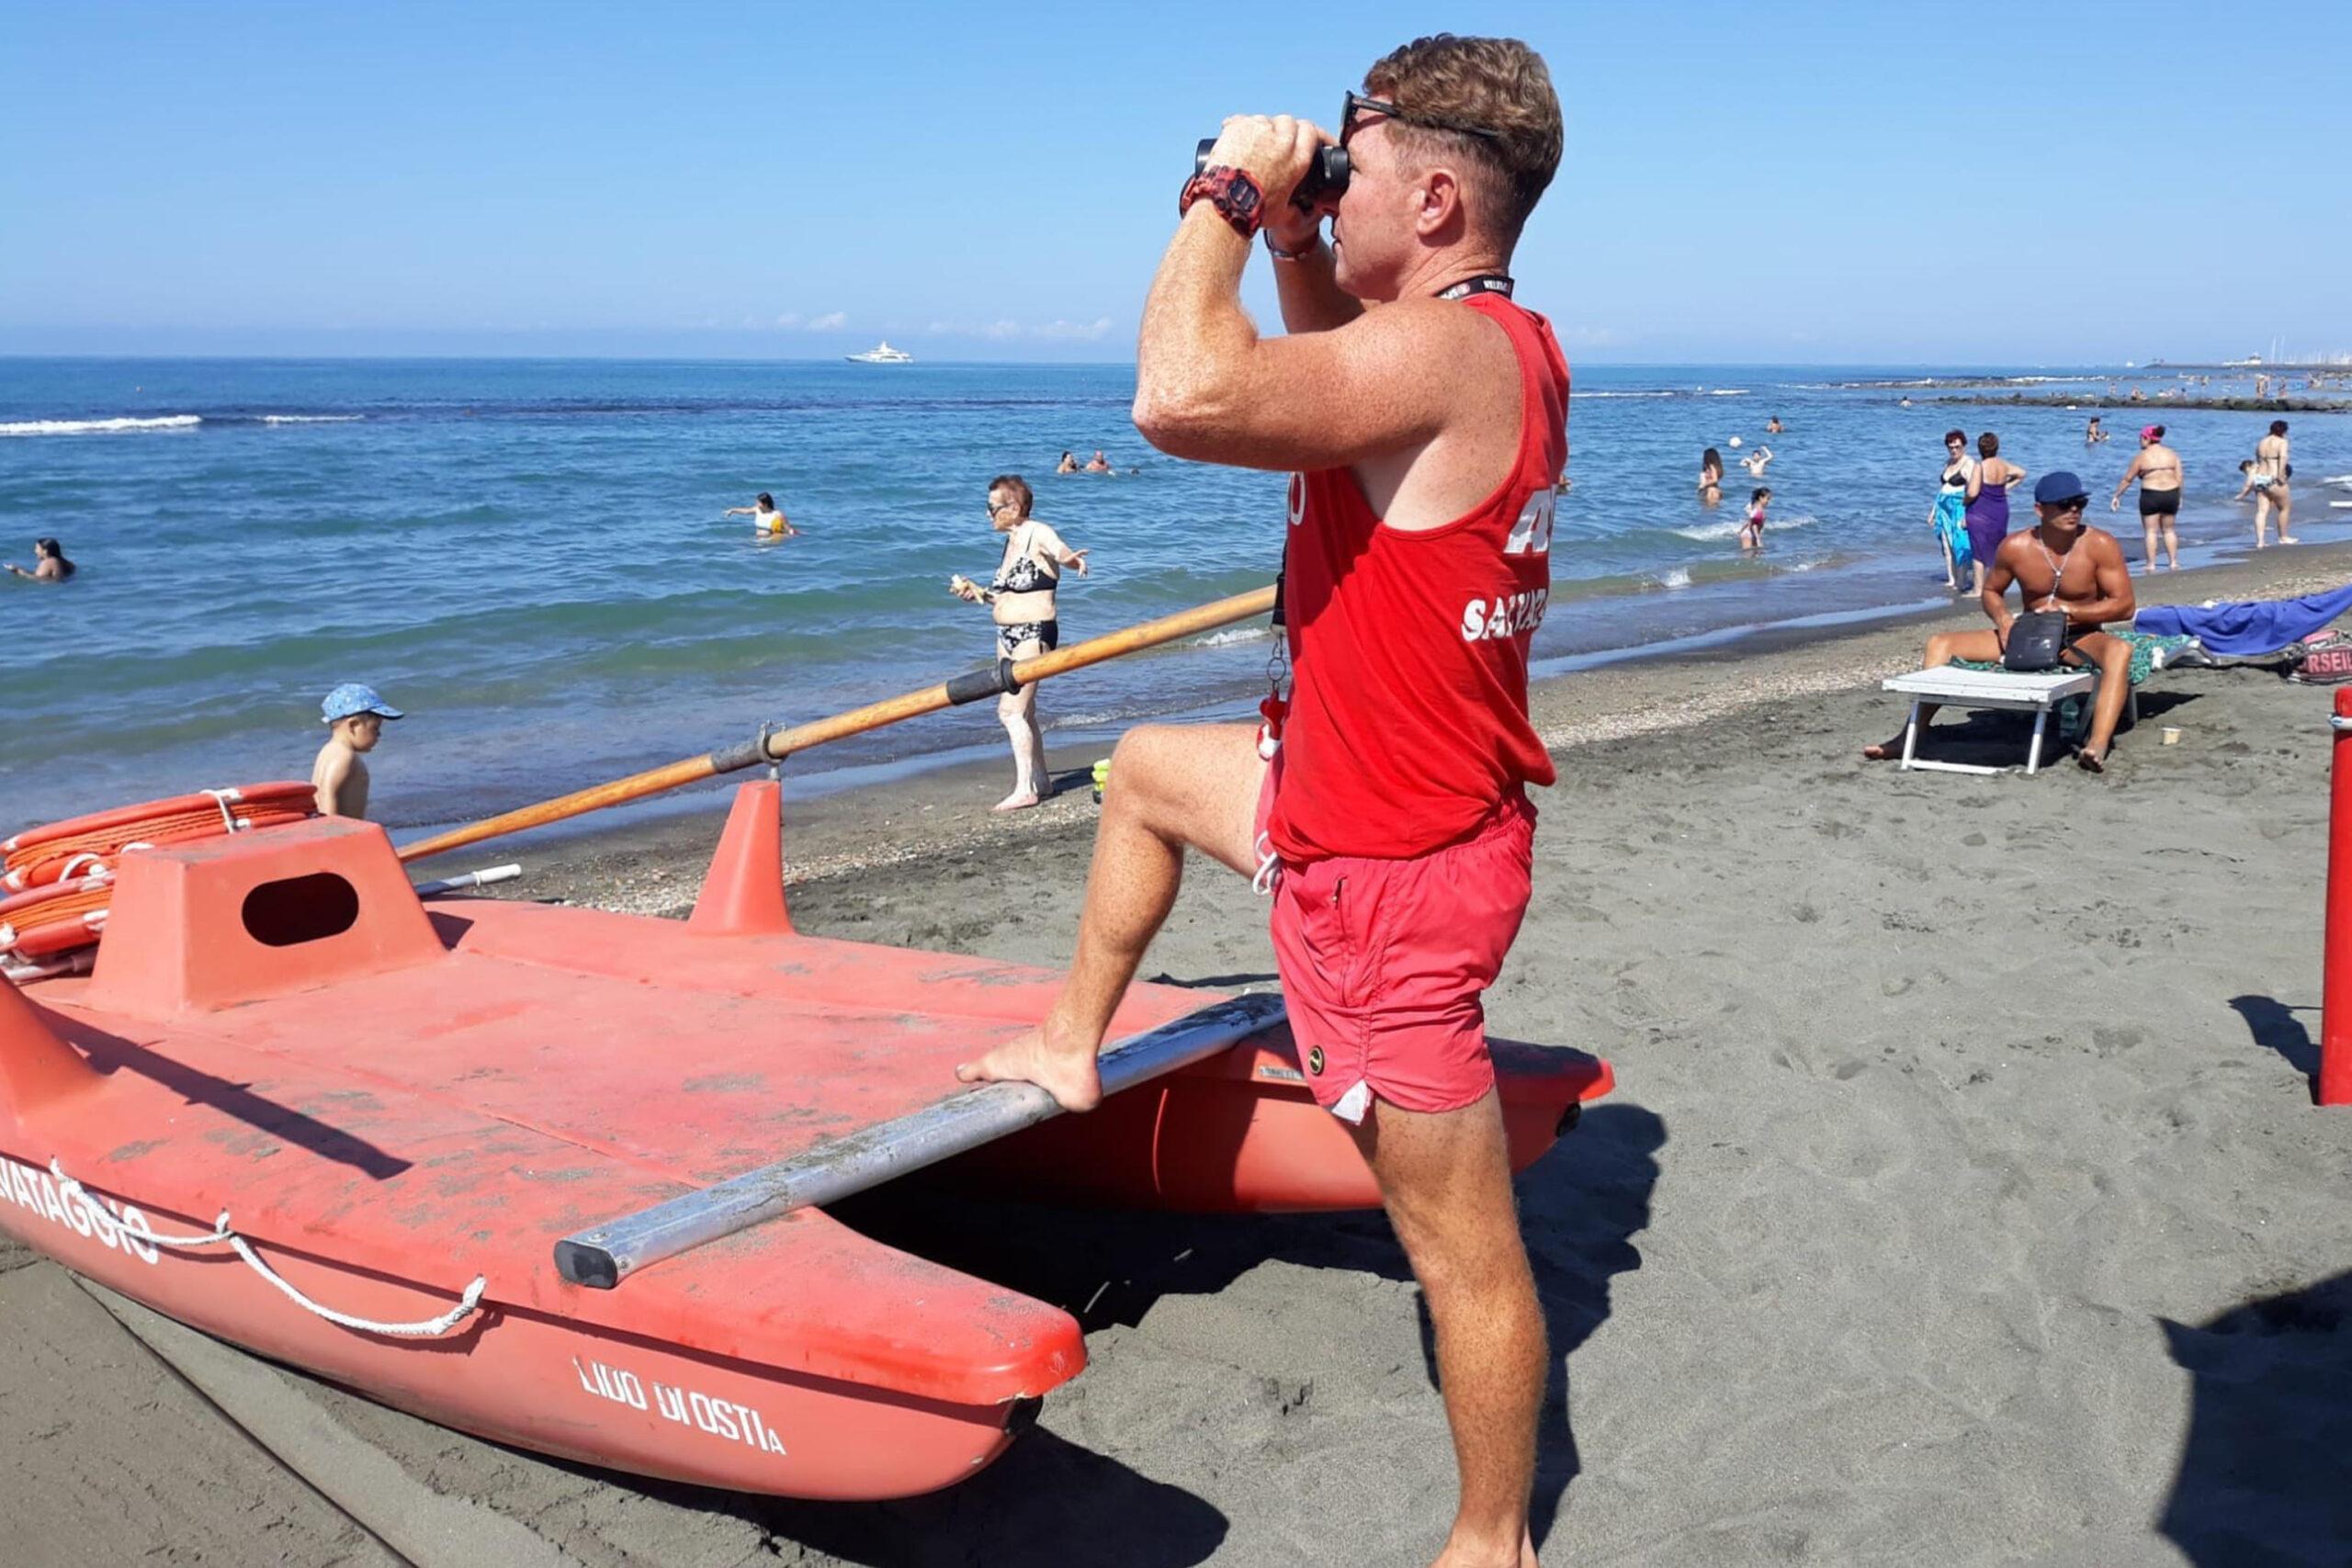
x=2060 y=563
x=356 y=717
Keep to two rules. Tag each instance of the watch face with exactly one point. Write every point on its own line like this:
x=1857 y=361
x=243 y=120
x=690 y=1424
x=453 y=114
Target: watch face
x=1240 y=196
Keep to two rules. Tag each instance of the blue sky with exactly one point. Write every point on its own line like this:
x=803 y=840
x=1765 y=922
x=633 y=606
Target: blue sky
x=1830 y=183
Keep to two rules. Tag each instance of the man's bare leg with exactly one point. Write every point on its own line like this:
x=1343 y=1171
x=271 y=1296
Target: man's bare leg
x=1172 y=786
x=1942 y=649
x=1446 y=1180
x=2113 y=655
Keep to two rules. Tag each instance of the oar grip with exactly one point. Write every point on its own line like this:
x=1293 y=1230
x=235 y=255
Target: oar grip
x=979 y=683
x=735 y=759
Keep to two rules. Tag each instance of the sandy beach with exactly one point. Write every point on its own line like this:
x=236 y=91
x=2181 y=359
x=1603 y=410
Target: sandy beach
x=1962 y=1200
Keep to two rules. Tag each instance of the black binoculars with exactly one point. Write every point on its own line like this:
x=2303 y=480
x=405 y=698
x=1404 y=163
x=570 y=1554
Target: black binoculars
x=1325 y=177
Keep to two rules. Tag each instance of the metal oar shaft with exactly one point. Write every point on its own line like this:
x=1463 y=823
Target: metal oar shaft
x=1006 y=676
x=606 y=1255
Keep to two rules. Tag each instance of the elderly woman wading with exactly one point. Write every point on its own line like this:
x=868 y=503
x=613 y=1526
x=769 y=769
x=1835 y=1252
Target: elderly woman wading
x=1021 y=596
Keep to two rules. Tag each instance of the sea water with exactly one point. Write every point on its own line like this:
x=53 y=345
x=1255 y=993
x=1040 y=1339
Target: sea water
x=531 y=557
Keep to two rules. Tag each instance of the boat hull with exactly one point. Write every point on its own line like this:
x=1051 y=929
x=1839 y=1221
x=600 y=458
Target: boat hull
x=551 y=1384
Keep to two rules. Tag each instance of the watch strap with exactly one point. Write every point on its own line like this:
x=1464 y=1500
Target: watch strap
x=1233 y=192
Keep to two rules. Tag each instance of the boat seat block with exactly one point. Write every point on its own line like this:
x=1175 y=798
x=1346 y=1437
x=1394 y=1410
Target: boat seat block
x=196 y=928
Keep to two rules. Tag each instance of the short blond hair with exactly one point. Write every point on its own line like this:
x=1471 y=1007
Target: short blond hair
x=1497 y=84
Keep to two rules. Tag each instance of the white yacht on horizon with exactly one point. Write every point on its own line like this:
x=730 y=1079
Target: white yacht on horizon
x=881 y=353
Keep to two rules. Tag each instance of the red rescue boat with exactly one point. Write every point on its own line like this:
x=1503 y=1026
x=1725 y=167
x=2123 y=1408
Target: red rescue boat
x=300 y=1108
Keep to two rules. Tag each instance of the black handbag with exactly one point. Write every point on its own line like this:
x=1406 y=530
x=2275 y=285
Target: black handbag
x=2036 y=640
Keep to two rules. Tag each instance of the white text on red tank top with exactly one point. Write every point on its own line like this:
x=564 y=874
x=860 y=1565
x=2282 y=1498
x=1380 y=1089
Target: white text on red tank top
x=1509 y=614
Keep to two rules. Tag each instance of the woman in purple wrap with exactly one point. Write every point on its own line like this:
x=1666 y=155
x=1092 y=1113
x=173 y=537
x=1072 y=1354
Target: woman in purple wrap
x=1988 y=505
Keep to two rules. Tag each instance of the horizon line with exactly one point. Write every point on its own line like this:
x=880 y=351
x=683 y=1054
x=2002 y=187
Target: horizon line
x=2103 y=367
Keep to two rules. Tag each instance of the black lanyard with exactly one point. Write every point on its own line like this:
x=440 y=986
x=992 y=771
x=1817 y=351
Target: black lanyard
x=1485 y=283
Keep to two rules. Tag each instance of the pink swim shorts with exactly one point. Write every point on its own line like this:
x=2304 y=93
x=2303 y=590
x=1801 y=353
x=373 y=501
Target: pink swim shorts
x=1384 y=963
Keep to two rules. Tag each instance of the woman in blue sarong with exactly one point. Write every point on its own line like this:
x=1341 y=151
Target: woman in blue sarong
x=1949 y=515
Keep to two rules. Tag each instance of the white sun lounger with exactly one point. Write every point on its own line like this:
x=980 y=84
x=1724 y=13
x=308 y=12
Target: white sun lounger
x=1952 y=686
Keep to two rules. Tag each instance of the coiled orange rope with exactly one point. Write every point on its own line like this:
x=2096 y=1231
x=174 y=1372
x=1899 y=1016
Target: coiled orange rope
x=40 y=856
x=62 y=875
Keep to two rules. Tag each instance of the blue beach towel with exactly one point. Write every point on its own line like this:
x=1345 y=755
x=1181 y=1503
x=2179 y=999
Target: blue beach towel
x=2250 y=627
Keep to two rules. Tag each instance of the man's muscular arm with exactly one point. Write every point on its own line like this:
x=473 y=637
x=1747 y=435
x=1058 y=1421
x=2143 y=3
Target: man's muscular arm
x=2116 y=601
x=1311 y=297
x=1312 y=300
x=1208 y=388
x=1995 y=595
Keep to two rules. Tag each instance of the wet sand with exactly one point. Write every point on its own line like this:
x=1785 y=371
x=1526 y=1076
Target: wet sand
x=1962 y=1200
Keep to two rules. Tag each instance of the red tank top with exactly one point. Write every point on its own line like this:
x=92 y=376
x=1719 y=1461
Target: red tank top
x=1408 y=727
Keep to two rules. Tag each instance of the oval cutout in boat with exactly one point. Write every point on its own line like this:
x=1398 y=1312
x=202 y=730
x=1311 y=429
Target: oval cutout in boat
x=301 y=908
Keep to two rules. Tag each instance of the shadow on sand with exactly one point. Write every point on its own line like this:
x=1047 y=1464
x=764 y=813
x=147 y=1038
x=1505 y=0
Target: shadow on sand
x=1580 y=1207
x=2275 y=1027
x=1994 y=738
x=2266 y=1473
x=1047 y=1501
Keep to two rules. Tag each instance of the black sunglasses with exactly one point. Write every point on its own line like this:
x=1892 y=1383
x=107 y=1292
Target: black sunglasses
x=1386 y=110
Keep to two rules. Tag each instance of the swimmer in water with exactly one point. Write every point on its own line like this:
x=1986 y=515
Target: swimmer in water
x=50 y=564
x=1068 y=465
x=1751 y=533
x=1099 y=464
x=1756 y=462
x=1711 y=476
x=1773 y=425
x=767 y=522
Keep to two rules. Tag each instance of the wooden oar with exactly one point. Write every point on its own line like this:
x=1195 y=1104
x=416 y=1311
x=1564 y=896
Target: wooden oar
x=1006 y=676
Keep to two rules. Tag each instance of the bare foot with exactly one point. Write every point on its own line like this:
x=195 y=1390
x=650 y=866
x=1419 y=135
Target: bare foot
x=2091 y=761
x=2285 y=540
x=1884 y=751
x=1019 y=800
x=1460 y=1553
x=1060 y=1063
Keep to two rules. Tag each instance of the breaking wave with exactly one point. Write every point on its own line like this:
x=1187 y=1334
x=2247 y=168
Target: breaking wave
x=100 y=426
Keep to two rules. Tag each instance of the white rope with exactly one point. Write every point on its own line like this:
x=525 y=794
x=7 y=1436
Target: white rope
x=221 y=797
x=430 y=1329
x=1270 y=867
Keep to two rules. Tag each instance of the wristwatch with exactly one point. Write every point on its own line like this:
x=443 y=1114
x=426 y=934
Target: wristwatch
x=1232 y=192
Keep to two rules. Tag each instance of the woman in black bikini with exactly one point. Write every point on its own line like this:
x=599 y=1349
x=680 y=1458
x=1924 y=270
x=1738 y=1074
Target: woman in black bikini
x=2157 y=468
x=1021 y=597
